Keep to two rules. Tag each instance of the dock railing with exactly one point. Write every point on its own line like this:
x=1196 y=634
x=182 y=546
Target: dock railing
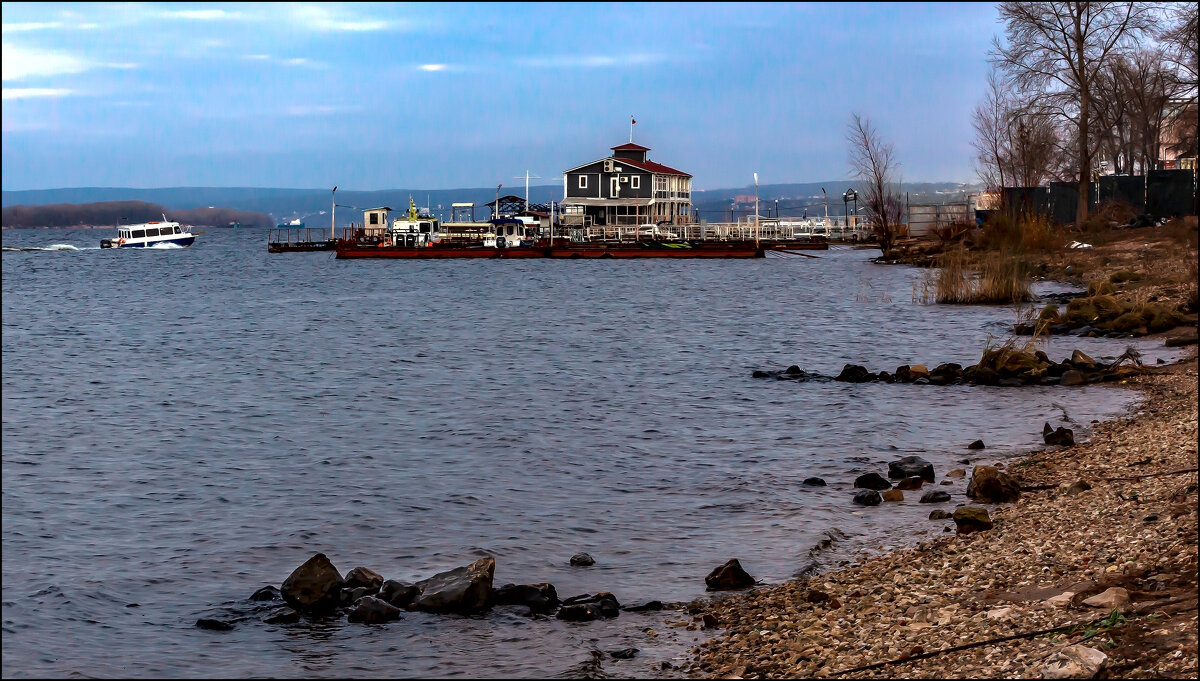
x=297 y=235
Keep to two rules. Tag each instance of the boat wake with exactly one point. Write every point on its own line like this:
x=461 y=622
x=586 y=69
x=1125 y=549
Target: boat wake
x=163 y=247
x=51 y=247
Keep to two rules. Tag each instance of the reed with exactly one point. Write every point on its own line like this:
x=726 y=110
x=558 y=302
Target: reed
x=987 y=278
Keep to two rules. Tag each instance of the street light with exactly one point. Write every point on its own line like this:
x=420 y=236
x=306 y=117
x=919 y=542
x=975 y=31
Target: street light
x=756 y=207
x=847 y=197
x=333 y=215
x=496 y=207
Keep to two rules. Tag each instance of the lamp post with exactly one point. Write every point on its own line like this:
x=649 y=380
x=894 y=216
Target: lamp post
x=756 y=208
x=496 y=206
x=847 y=197
x=333 y=215
x=776 y=209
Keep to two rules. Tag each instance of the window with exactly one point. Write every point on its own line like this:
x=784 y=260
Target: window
x=583 y=181
x=139 y=233
x=636 y=183
x=178 y=230
x=374 y=218
x=153 y=231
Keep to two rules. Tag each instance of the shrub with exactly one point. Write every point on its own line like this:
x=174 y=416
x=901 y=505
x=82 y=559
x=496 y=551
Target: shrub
x=1097 y=287
x=1108 y=306
x=1049 y=314
x=1122 y=276
x=1126 y=322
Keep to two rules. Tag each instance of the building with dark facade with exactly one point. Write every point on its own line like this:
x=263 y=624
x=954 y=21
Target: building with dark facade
x=626 y=189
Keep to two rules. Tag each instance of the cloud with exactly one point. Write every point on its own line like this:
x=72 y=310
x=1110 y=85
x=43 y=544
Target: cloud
x=200 y=14
x=588 y=62
x=433 y=67
x=30 y=26
x=318 y=110
x=32 y=92
x=18 y=63
x=320 y=19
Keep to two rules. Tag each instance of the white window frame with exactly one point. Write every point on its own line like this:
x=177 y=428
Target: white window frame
x=636 y=182
x=582 y=181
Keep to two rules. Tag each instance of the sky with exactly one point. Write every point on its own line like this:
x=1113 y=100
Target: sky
x=442 y=96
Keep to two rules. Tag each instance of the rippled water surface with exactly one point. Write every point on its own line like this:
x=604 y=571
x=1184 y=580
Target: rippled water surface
x=183 y=426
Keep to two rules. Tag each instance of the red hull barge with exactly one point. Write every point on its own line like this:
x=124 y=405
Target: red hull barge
x=650 y=249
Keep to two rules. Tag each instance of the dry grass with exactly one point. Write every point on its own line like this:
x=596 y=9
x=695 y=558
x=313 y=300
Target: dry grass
x=972 y=278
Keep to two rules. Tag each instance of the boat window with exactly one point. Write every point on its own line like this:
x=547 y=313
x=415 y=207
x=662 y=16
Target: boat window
x=424 y=228
x=122 y=233
x=139 y=233
x=177 y=230
x=152 y=231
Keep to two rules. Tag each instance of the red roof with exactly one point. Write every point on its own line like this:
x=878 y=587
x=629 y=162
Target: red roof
x=651 y=166
x=630 y=146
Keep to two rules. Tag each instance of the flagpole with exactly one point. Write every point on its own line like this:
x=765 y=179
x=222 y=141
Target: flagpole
x=631 y=119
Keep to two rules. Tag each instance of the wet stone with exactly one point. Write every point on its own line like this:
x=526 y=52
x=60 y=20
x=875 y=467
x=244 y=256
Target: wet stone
x=582 y=560
x=868 y=497
x=873 y=481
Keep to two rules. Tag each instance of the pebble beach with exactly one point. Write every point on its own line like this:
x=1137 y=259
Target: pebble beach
x=1091 y=571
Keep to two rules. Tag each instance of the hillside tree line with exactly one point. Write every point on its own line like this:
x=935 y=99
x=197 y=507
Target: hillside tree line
x=114 y=213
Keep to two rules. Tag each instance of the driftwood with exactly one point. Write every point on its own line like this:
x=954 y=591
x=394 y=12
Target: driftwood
x=1038 y=488
x=1028 y=634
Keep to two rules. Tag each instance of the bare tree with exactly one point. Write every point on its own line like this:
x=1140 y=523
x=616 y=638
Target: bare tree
x=1015 y=144
x=1056 y=49
x=992 y=141
x=1182 y=45
x=873 y=161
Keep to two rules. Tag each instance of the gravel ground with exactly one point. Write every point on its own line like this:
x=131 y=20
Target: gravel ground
x=1134 y=529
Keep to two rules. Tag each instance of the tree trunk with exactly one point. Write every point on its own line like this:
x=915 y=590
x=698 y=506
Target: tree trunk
x=1085 y=161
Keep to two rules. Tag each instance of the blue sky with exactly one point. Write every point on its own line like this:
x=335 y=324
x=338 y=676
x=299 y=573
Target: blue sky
x=439 y=96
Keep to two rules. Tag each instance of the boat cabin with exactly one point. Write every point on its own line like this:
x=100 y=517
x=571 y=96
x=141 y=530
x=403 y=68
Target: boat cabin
x=514 y=232
x=151 y=229
x=411 y=229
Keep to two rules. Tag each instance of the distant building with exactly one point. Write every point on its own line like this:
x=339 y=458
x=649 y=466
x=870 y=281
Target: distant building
x=626 y=189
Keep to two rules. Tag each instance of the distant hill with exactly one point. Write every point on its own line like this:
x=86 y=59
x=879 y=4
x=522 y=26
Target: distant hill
x=114 y=213
x=313 y=205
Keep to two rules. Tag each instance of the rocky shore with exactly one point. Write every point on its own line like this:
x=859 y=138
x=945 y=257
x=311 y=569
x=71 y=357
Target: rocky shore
x=1091 y=572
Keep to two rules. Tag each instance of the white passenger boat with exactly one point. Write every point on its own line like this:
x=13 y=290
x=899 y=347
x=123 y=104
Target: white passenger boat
x=165 y=234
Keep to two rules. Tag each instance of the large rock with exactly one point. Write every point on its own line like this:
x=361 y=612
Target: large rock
x=868 y=497
x=588 y=607
x=371 y=610
x=872 y=481
x=911 y=466
x=992 y=486
x=934 y=497
x=893 y=495
x=853 y=373
x=539 y=598
x=912 y=483
x=1115 y=598
x=1058 y=436
x=399 y=594
x=1074 y=662
x=917 y=371
x=814 y=482
x=729 y=576
x=970 y=519
x=315 y=587
x=1072 y=377
x=978 y=444
x=1081 y=360
x=582 y=560
x=463 y=589
x=363 y=577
